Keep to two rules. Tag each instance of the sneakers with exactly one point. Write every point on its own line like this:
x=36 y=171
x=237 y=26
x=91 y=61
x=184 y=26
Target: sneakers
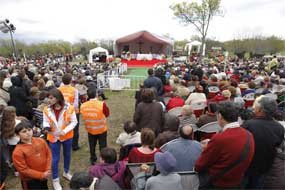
x=67 y=176
x=56 y=185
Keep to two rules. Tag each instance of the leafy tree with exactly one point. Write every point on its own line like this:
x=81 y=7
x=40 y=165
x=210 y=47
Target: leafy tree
x=198 y=15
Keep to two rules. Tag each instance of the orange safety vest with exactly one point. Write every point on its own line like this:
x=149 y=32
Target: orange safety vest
x=93 y=117
x=68 y=111
x=68 y=93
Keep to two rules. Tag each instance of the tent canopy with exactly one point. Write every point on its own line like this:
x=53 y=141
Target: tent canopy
x=98 y=51
x=143 y=42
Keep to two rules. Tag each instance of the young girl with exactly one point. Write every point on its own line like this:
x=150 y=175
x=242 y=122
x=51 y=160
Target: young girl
x=59 y=120
x=9 y=121
x=146 y=152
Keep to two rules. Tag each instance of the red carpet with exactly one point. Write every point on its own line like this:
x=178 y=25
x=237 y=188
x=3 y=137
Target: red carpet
x=142 y=63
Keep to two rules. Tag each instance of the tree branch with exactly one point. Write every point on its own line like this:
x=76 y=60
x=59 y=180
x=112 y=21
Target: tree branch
x=192 y=22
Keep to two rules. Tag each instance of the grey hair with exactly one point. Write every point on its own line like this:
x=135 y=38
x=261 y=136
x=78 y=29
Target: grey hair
x=267 y=105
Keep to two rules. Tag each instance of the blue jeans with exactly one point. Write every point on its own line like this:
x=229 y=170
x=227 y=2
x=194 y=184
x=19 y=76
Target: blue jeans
x=55 y=150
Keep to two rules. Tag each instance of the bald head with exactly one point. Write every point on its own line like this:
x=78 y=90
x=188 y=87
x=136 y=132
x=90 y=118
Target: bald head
x=185 y=132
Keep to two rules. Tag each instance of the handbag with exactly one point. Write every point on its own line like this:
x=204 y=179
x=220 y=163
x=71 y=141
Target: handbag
x=205 y=180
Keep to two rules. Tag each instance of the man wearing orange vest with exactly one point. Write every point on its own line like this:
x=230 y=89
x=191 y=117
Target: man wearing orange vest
x=70 y=95
x=94 y=113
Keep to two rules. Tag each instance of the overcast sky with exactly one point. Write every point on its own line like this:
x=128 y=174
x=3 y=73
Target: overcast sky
x=110 y=19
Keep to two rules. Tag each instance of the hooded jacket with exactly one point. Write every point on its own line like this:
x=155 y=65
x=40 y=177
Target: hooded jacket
x=115 y=171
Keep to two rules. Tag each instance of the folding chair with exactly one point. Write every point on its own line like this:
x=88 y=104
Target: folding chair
x=189 y=180
x=249 y=100
x=208 y=130
x=175 y=111
x=213 y=91
x=134 y=168
x=198 y=108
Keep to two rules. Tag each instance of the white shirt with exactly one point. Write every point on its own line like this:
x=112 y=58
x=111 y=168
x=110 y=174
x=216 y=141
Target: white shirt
x=231 y=125
x=125 y=139
x=196 y=97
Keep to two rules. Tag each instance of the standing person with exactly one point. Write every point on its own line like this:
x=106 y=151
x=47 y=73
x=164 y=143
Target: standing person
x=32 y=158
x=94 y=113
x=18 y=97
x=70 y=95
x=268 y=135
x=153 y=82
x=149 y=114
x=59 y=120
x=229 y=153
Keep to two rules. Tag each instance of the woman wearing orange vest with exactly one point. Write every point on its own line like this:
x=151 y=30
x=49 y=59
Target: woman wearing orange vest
x=94 y=113
x=59 y=120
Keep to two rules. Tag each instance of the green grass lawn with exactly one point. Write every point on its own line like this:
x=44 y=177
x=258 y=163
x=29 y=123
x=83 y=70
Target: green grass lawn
x=121 y=105
x=137 y=71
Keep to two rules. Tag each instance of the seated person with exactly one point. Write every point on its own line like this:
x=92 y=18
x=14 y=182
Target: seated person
x=251 y=88
x=187 y=116
x=197 y=96
x=109 y=166
x=130 y=135
x=185 y=150
x=170 y=130
x=167 y=179
x=220 y=97
x=208 y=117
x=175 y=101
x=81 y=180
x=146 y=152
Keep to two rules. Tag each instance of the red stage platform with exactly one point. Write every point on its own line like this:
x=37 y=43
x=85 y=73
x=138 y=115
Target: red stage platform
x=142 y=63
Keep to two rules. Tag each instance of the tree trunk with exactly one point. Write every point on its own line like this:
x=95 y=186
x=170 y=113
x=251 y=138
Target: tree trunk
x=202 y=46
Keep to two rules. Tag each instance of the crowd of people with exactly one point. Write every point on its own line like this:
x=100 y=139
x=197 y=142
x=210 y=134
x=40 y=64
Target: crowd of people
x=173 y=105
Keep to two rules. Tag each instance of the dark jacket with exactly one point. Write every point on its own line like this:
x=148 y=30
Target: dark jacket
x=149 y=115
x=18 y=97
x=268 y=134
x=154 y=82
x=274 y=179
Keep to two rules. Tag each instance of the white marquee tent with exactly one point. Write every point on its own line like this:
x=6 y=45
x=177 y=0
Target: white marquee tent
x=196 y=44
x=97 y=51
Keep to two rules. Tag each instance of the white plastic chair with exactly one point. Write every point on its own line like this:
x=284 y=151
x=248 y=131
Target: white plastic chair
x=175 y=111
x=189 y=180
x=212 y=127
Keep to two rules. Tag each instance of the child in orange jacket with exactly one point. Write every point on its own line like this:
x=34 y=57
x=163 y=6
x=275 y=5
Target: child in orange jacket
x=31 y=158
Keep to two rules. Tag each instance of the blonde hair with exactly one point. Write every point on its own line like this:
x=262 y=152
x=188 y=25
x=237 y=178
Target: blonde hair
x=8 y=122
x=226 y=93
x=187 y=110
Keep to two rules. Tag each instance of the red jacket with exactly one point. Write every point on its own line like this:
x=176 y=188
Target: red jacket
x=175 y=102
x=224 y=149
